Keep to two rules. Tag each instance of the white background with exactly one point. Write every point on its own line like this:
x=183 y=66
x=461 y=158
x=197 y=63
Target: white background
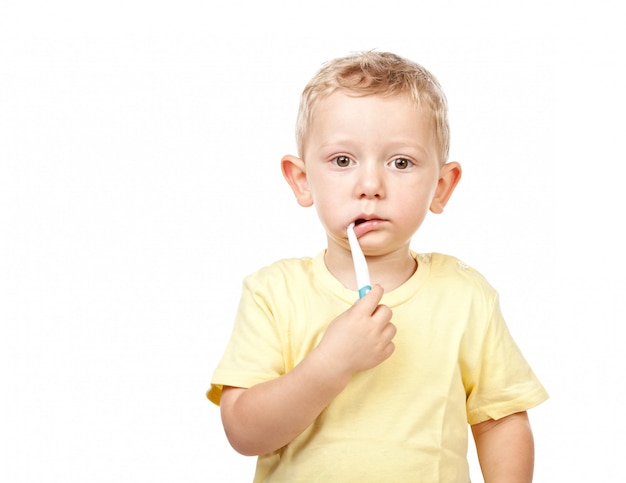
x=139 y=183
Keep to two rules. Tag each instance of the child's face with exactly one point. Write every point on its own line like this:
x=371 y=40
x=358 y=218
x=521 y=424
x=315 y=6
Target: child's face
x=373 y=161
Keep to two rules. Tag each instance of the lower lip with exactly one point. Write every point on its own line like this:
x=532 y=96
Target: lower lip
x=365 y=227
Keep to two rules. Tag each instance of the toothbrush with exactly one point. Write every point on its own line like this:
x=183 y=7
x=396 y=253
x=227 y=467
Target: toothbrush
x=360 y=265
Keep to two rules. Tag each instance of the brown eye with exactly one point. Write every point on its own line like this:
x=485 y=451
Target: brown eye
x=402 y=163
x=342 y=161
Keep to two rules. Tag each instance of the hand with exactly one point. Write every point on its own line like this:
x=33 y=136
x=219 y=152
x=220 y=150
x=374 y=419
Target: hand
x=268 y=415
x=360 y=338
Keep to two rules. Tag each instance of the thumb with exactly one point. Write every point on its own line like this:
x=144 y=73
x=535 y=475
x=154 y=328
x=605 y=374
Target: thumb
x=371 y=300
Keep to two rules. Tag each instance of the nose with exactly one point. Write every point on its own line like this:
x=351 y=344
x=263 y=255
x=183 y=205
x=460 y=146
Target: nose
x=371 y=181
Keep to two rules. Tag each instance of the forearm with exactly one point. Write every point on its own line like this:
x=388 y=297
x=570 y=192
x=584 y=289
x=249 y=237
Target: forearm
x=505 y=449
x=267 y=416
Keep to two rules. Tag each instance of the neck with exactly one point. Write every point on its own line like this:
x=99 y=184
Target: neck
x=390 y=270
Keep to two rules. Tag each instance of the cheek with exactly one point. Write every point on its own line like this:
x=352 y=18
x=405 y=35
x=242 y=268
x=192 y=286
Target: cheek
x=423 y=192
x=419 y=200
x=326 y=191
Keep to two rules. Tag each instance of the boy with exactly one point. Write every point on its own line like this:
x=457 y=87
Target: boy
x=327 y=389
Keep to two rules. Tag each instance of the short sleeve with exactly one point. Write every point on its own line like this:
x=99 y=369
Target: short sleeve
x=254 y=352
x=500 y=381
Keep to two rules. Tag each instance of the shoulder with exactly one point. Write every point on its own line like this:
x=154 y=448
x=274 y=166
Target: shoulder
x=288 y=270
x=457 y=273
x=285 y=266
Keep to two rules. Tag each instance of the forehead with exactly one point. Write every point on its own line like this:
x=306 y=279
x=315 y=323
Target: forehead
x=378 y=122
x=345 y=110
x=408 y=103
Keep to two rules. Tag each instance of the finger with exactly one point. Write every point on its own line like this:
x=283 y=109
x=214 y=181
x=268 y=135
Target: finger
x=391 y=347
x=382 y=314
x=371 y=299
x=390 y=331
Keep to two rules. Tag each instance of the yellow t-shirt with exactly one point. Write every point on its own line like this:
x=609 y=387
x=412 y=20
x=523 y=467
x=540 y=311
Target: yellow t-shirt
x=405 y=420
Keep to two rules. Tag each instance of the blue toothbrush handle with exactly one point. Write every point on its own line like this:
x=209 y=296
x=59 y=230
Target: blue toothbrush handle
x=363 y=290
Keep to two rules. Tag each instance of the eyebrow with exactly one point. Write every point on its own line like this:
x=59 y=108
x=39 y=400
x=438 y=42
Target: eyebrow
x=393 y=145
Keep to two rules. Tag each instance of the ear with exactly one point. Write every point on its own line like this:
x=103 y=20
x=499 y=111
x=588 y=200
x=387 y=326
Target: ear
x=294 y=172
x=449 y=176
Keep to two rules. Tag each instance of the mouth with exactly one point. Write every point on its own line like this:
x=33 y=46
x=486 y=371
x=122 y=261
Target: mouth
x=365 y=224
x=365 y=219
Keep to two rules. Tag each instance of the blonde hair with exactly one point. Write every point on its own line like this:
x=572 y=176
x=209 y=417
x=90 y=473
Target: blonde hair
x=376 y=73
